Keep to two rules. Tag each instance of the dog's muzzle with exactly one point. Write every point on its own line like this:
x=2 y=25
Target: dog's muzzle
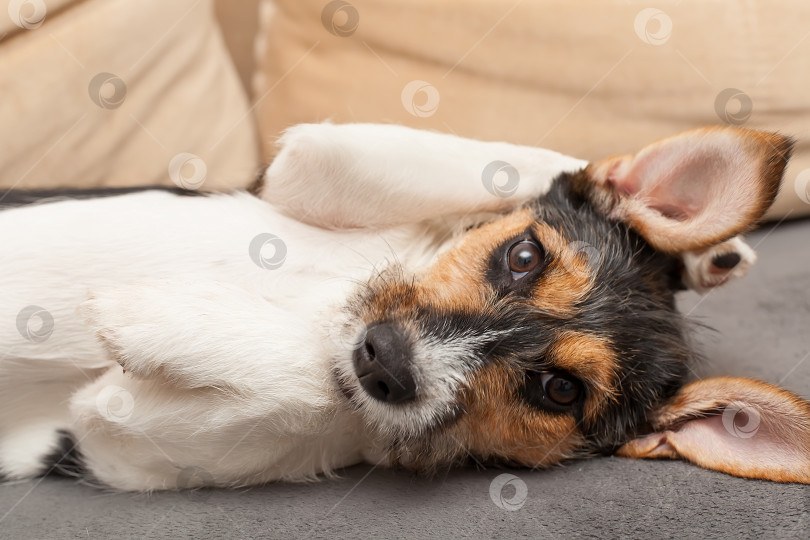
x=383 y=365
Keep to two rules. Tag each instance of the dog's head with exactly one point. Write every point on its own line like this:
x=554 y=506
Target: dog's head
x=552 y=332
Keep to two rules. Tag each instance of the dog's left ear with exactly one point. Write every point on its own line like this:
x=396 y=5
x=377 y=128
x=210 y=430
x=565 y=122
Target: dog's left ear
x=696 y=189
x=739 y=426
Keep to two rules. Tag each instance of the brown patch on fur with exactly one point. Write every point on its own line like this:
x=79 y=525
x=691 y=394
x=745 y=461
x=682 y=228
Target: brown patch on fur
x=591 y=359
x=778 y=150
x=457 y=282
x=567 y=280
x=392 y=300
x=499 y=426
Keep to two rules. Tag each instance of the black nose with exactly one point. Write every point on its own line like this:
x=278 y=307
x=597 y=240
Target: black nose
x=383 y=365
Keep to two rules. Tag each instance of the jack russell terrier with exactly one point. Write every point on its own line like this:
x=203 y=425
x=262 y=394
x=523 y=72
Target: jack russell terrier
x=391 y=296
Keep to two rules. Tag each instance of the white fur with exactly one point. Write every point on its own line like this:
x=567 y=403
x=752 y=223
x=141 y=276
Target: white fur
x=227 y=374
x=376 y=176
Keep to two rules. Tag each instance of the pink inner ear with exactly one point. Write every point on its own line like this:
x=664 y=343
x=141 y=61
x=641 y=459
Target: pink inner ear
x=676 y=181
x=746 y=446
x=689 y=191
x=739 y=426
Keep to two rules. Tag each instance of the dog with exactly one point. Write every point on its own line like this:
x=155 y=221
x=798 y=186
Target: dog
x=391 y=296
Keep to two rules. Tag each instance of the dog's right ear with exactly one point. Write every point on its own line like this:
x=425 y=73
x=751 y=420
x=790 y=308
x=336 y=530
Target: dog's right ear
x=738 y=426
x=697 y=189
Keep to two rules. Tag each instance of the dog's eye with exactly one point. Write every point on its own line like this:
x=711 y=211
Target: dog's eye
x=524 y=257
x=552 y=391
x=561 y=389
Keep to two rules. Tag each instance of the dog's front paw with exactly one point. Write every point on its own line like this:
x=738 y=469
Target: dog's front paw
x=120 y=322
x=717 y=265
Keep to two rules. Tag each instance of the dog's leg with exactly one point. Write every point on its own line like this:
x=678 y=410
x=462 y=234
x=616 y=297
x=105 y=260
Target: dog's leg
x=219 y=386
x=145 y=434
x=704 y=270
x=209 y=334
x=378 y=176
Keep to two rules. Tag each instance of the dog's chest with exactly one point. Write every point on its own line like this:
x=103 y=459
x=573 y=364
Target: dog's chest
x=55 y=255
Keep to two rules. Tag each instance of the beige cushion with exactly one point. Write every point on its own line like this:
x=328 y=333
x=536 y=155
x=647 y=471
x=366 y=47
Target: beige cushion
x=589 y=79
x=171 y=90
x=22 y=15
x=239 y=22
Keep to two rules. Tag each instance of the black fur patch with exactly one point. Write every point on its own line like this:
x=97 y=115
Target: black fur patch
x=632 y=305
x=65 y=459
x=21 y=197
